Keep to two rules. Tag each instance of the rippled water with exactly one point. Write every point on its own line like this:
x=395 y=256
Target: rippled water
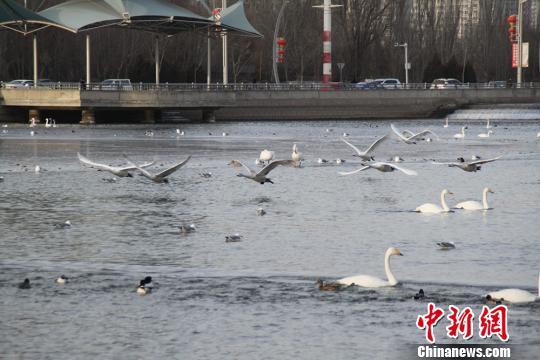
x=256 y=298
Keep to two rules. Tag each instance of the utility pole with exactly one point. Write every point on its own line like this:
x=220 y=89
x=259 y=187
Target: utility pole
x=225 y=58
x=327 y=39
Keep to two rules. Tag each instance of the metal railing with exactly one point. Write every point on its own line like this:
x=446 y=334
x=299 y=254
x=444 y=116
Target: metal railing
x=290 y=86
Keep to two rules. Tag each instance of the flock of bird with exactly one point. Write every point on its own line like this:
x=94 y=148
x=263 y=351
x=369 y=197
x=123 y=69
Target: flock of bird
x=367 y=161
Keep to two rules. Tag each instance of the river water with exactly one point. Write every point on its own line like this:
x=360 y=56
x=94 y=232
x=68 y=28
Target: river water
x=257 y=299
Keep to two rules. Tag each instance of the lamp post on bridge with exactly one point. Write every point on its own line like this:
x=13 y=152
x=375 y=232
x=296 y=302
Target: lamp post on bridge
x=520 y=42
x=407 y=65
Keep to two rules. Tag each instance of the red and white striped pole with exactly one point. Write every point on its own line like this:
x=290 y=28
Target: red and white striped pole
x=327 y=40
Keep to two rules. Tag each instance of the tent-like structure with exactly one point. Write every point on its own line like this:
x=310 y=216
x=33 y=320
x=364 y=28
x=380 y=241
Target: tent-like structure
x=16 y=17
x=156 y=16
x=159 y=16
x=233 y=18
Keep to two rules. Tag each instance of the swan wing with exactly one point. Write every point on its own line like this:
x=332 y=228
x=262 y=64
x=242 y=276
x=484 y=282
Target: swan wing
x=172 y=169
x=376 y=143
x=353 y=172
x=266 y=170
x=421 y=133
x=398 y=133
x=353 y=147
x=402 y=169
x=363 y=281
x=238 y=163
x=129 y=167
x=96 y=165
x=408 y=133
x=143 y=171
x=445 y=163
x=485 y=161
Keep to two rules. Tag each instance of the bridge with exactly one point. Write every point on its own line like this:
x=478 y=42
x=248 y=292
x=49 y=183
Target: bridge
x=258 y=101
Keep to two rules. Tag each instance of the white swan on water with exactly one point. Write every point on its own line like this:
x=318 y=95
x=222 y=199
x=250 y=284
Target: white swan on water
x=476 y=205
x=514 y=296
x=460 y=135
x=371 y=281
x=296 y=155
x=446 y=123
x=485 y=135
x=266 y=156
x=430 y=208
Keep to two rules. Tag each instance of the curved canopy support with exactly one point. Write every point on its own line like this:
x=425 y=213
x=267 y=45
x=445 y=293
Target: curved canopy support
x=16 y=17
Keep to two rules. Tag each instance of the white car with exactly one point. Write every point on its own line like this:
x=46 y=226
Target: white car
x=116 y=84
x=389 y=83
x=447 y=84
x=17 y=84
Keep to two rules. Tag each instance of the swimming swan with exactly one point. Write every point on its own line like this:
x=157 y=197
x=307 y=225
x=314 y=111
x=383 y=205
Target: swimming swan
x=485 y=135
x=371 y=281
x=476 y=205
x=296 y=156
x=446 y=123
x=434 y=208
x=514 y=296
x=460 y=135
x=266 y=156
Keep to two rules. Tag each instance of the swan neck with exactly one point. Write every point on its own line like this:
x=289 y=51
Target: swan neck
x=443 y=202
x=391 y=279
x=484 y=200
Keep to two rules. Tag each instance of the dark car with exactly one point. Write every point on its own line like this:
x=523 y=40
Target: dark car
x=370 y=85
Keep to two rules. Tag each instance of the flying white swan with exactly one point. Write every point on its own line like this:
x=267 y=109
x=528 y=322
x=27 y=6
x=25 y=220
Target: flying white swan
x=446 y=123
x=460 y=135
x=408 y=137
x=469 y=166
x=266 y=155
x=485 y=135
x=160 y=177
x=365 y=155
x=260 y=176
x=371 y=281
x=476 y=205
x=381 y=166
x=121 y=171
x=430 y=208
x=514 y=296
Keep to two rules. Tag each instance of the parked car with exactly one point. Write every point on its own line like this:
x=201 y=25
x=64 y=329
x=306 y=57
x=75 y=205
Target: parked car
x=17 y=84
x=116 y=84
x=369 y=85
x=389 y=83
x=47 y=83
x=447 y=84
x=497 y=84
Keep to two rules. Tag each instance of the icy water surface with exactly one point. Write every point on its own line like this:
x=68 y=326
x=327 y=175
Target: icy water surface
x=256 y=299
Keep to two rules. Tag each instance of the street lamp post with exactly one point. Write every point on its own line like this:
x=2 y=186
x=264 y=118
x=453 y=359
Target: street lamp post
x=520 y=41
x=341 y=66
x=407 y=65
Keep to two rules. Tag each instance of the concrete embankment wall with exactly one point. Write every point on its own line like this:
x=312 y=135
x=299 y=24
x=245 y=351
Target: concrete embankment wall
x=271 y=105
